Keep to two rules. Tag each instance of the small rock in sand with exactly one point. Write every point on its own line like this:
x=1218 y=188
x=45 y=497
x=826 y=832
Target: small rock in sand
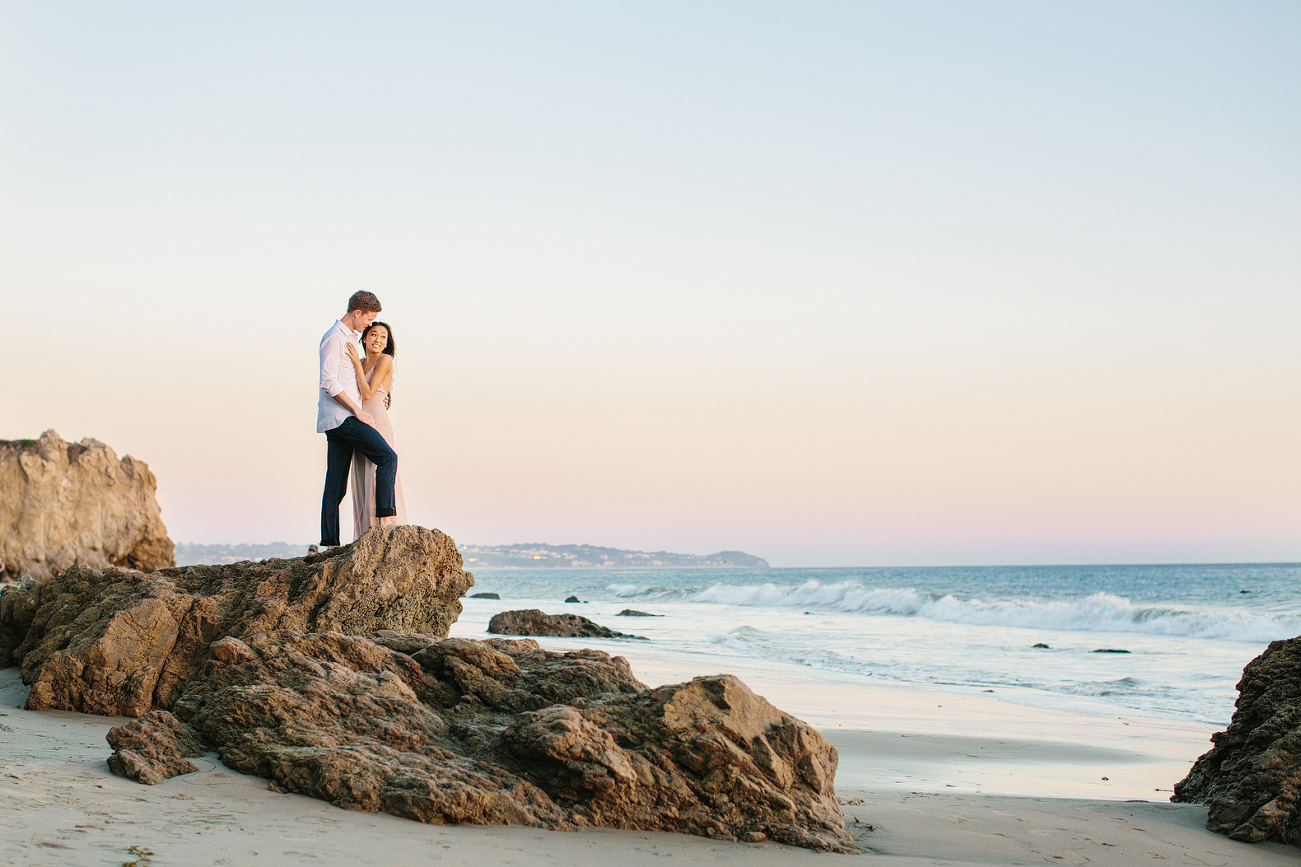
x=533 y=621
x=152 y=748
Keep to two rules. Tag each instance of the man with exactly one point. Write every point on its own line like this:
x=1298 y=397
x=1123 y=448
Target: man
x=348 y=427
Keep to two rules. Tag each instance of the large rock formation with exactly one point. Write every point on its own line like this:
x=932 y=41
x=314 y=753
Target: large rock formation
x=1251 y=778
x=270 y=663
x=533 y=621
x=125 y=642
x=64 y=504
x=502 y=732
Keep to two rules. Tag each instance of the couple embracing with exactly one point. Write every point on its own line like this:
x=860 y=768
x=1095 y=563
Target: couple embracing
x=352 y=412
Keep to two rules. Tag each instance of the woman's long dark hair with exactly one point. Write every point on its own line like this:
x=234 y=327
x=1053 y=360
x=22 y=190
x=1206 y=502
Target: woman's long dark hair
x=391 y=349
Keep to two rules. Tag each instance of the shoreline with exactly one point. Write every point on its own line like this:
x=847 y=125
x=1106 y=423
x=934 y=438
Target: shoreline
x=72 y=811
x=916 y=737
x=918 y=790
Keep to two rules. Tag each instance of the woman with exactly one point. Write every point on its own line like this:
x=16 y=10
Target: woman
x=375 y=381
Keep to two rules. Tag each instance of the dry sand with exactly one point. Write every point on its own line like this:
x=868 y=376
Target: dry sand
x=63 y=807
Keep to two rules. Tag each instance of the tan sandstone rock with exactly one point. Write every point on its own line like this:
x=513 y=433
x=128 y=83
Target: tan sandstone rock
x=118 y=642
x=64 y=504
x=269 y=663
x=501 y=731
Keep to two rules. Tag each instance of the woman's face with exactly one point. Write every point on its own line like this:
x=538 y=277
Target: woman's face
x=376 y=340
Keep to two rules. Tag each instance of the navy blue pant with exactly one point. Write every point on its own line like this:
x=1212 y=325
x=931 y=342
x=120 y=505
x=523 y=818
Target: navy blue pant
x=348 y=437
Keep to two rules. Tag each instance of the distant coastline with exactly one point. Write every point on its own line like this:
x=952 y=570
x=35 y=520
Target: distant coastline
x=191 y=554
x=533 y=555
x=542 y=556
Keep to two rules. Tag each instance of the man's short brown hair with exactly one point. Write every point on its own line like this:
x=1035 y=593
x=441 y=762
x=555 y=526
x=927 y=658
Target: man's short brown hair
x=364 y=300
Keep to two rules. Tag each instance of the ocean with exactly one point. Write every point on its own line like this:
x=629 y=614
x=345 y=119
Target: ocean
x=1186 y=630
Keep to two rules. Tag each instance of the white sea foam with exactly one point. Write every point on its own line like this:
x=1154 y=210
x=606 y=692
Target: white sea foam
x=624 y=591
x=1099 y=612
x=1024 y=631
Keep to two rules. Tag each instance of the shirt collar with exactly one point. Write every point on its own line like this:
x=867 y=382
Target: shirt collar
x=345 y=330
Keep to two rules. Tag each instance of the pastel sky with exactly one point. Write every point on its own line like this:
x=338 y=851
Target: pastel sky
x=862 y=283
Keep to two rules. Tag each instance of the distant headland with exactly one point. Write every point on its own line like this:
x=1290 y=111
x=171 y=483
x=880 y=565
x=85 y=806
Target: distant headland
x=541 y=556
x=190 y=554
x=523 y=556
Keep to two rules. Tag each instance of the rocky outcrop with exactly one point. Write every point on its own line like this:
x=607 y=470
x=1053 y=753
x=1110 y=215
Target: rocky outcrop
x=332 y=676
x=533 y=621
x=152 y=748
x=65 y=504
x=118 y=642
x=503 y=732
x=1251 y=778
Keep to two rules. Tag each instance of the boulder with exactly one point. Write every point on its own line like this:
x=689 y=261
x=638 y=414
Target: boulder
x=64 y=504
x=1250 y=780
x=120 y=642
x=632 y=612
x=152 y=748
x=503 y=732
x=533 y=621
x=485 y=596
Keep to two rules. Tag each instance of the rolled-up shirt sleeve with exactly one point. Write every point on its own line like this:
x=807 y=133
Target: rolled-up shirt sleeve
x=331 y=362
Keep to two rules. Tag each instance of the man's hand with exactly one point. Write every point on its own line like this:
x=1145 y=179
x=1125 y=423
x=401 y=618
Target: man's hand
x=365 y=417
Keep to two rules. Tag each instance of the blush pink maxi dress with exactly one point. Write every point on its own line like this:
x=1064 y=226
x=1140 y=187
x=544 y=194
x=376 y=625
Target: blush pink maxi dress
x=363 y=473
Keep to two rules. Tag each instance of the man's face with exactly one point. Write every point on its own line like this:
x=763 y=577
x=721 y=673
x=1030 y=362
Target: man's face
x=363 y=318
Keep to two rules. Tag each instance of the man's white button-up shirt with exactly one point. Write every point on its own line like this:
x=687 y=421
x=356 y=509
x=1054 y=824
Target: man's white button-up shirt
x=337 y=375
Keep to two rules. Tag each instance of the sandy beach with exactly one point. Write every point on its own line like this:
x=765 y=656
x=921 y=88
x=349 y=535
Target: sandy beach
x=978 y=781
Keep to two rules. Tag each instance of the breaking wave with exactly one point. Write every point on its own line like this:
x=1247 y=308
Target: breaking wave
x=640 y=591
x=1099 y=612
